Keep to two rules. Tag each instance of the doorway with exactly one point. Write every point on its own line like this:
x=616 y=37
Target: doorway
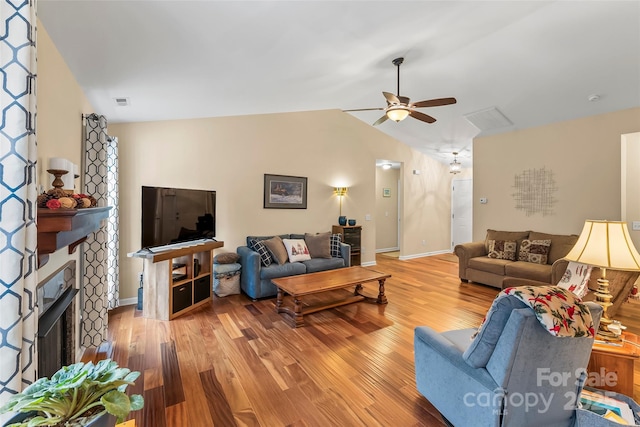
x=388 y=192
x=461 y=211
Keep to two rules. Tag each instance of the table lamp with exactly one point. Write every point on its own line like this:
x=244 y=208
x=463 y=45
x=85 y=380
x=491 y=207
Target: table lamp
x=605 y=244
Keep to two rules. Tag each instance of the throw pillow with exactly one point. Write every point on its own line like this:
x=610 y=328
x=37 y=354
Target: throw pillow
x=296 y=250
x=227 y=258
x=576 y=278
x=536 y=251
x=265 y=255
x=319 y=244
x=277 y=249
x=335 y=245
x=502 y=249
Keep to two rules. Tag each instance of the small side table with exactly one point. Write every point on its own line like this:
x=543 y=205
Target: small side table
x=611 y=366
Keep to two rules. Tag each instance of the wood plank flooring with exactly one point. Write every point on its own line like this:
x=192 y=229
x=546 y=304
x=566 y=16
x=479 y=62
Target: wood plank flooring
x=236 y=362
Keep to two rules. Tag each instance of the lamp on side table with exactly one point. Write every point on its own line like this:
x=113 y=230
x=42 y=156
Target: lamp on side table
x=605 y=244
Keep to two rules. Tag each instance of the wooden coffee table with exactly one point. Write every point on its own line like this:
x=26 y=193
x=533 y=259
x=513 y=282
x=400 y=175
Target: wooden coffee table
x=313 y=283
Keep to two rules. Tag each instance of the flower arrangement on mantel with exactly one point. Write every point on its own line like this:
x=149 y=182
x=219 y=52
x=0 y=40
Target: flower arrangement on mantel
x=66 y=201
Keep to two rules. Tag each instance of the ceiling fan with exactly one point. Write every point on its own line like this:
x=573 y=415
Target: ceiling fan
x=400 y=107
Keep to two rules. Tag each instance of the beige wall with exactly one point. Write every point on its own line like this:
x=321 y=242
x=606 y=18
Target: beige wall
x=631 y=183
x=60 y=103
x=387 y=209
x=232 y=154
x=584 y=156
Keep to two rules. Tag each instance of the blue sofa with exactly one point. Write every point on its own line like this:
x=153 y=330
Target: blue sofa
x=255 y=279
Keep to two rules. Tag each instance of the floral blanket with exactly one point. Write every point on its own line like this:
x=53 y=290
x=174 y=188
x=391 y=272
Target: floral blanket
x=560 y=311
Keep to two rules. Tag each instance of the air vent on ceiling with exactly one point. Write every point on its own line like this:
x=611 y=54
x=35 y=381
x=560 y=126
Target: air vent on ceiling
x=488 y=119
x=122 y=102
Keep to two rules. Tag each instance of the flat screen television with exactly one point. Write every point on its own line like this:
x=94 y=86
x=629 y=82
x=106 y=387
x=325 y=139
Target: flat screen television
x=173 y=215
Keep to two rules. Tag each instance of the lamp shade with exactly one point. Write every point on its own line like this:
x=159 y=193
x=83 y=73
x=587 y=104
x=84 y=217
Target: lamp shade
x=606 y=244
x=340 y=191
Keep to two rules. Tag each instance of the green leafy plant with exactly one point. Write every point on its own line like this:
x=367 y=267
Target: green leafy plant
x=76 y=395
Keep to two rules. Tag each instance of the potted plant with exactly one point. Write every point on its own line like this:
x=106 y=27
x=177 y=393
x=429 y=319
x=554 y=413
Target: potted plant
x=82 y=394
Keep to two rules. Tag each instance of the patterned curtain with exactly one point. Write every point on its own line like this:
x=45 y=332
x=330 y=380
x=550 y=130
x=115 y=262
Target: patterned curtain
x=18 y=154
x=100 y=250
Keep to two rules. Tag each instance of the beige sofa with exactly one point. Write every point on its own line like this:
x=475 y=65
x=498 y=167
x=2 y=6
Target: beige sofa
x=475 y=265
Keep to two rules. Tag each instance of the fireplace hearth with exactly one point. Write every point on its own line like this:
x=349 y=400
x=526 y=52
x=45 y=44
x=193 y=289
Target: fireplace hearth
x=56 y=324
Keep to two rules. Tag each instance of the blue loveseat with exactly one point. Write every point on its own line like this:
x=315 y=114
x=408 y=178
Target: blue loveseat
x=255 y=278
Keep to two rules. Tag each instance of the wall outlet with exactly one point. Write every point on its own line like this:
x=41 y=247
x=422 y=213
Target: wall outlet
x=424 y=242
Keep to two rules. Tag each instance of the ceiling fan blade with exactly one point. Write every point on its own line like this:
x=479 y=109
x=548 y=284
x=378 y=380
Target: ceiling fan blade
x=381 y=120
x=421 y=116
x=364 y=109
x=434 y=102
x=391 y=98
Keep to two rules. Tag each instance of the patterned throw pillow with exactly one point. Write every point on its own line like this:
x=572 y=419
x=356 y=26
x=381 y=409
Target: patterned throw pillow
x=265 y=255
x=335 y=245
x=502 y=249
x=576 y=278
x=297 y=250
x=536 y=251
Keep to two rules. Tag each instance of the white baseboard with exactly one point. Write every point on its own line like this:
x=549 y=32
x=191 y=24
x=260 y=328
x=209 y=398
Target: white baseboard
x=378 y=251
x=425 y=254
x=128 y=301
x=368 y=264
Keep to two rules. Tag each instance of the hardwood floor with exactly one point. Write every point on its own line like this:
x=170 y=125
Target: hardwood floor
x=236 y=362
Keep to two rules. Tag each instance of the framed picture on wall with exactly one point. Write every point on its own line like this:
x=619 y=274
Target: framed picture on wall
x=386 y=192
x=285 y=192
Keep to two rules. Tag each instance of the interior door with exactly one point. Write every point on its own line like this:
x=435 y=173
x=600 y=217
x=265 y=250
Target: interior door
x=461 y=211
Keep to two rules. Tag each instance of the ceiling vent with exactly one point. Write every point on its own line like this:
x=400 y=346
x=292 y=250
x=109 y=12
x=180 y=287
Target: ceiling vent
x=122 y=102
x=488 y=119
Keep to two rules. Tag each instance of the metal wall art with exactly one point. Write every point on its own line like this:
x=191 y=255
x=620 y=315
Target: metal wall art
x=535 y=190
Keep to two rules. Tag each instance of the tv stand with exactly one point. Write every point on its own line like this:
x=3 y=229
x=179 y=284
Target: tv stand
x=177 y=278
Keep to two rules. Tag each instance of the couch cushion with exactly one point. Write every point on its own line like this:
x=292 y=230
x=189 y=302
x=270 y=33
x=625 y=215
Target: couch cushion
x=518 y=236
x=490 y=265
x=335 y=245
x=536 y=251
x=296 y=250
x=277 y=249
x=529 y=270
x=289 y=269
x=263 y=252
x=319 y=244
x=479 y=352
x=561 y=244
x=249 y=238
x=503 y=249
x=576 y=278
x=321 y=264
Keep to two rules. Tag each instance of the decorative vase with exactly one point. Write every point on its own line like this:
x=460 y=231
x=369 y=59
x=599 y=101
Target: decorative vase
x=352 y=222
x=342 y=220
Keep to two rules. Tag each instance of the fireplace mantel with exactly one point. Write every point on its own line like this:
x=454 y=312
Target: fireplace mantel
x=58 y=228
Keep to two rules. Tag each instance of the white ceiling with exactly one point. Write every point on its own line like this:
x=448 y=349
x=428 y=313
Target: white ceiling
x=536 y=61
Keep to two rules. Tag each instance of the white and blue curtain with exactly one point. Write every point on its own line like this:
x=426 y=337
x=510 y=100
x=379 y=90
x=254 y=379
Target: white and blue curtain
x=18 y=154
x=101 y=249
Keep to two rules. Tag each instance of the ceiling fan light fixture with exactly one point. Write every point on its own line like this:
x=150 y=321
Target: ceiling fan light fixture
x=397 y=113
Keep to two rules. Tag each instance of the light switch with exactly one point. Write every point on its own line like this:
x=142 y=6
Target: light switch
x=367 y=217
x=635 y=225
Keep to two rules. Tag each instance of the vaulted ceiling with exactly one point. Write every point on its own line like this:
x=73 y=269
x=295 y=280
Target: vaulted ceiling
x=534 y=62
